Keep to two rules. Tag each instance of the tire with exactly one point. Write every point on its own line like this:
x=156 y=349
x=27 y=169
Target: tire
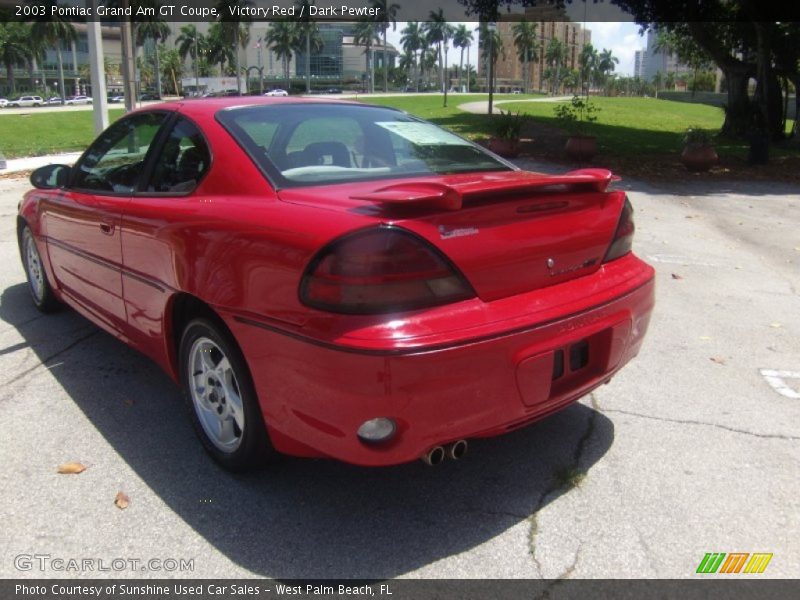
x=41 y=291
x=221 y=398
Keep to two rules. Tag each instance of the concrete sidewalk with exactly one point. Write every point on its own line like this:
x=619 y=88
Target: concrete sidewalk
x=29 y=163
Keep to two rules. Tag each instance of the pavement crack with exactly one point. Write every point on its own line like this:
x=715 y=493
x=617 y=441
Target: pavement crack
x=556 y=485
x=44 y=361
x=768 y=436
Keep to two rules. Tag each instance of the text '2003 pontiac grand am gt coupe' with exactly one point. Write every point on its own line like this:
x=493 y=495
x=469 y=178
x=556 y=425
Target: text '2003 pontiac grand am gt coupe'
x=341 y=280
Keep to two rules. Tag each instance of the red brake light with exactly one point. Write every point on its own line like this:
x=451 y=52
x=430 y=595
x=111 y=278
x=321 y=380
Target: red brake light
x=623 y=236
x=381 y=270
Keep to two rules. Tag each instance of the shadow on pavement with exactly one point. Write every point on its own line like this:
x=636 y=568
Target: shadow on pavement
x=304 y=518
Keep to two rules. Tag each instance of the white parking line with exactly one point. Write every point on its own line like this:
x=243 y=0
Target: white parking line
x=777 y=380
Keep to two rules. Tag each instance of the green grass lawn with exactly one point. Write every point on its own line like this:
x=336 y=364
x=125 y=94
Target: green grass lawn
x=37 y=133
x=430 y=107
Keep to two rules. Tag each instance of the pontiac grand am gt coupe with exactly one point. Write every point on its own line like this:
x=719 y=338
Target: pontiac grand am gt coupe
x=335 y=279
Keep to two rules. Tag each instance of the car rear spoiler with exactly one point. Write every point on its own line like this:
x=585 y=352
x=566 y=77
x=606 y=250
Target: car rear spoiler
x=451 y=197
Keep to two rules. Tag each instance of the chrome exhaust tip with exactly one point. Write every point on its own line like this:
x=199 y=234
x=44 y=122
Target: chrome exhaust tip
x=434 y=456
x=457 y=450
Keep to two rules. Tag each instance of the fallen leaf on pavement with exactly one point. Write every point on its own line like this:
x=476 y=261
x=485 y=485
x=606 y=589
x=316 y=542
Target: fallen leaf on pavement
x=71 y=468
x=719 y=361
x=122 y=501
x=676 y=276
x=775 y=325
x=705 y=337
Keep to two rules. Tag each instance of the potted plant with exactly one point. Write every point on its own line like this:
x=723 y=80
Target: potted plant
x=506 y=129
x=698 y=150
x=574 y=116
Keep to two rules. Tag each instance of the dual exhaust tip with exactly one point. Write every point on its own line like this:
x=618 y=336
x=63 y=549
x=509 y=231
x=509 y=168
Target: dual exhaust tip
x=437 y=454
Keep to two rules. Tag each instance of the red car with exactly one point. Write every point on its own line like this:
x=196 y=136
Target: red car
x=341 y=280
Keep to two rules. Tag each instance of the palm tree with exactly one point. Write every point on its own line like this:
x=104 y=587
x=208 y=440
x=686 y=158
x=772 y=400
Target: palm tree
x=658 y=81
x=310 y=31
x=387 y=16
x=526 y=42
x=283 y=37
x=55 y=31
x=587 y=61
x=191 y=42
x=35 y=54
x=366 y=34
x=158 y=31
x=554 y=55
x=496 y=45
x=13 y=49
x=233 y=25
x=605 y=62
x=412 y=39
x=435 y=31
x=462 y=39
x=172 y=65
x=218 y=49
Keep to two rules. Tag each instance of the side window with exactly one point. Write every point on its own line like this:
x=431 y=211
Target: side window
x=183 y=160
x=115 y=160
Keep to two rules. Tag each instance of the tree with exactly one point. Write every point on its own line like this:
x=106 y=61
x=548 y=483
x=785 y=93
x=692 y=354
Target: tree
x=13 y=49
x=171 y=66
x=235 y=30
x=496 y=45
x=55 y=32
x=157 y=30
x=606 y=62
x=462 y=39
x=387 y=15
x=283 y=37
x=587 y=62
x=439 y=32
x=658 y=81
x=34 y=54
x=526 y=41
x=412 y=39
x=366 y=34
x=554 y=55
x=309 y=30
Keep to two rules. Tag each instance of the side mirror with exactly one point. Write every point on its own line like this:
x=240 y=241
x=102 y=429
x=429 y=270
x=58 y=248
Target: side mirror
x=50 y=177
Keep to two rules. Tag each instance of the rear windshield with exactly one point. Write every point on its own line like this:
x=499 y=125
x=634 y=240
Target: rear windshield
x=316 y=144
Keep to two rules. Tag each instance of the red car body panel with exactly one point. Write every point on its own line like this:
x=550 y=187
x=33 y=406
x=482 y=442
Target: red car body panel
x=471 y=368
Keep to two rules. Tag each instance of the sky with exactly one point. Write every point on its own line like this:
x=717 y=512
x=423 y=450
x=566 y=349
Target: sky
x=621 y=38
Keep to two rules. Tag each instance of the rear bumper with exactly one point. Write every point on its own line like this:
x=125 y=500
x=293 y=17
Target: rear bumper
x=316 y=393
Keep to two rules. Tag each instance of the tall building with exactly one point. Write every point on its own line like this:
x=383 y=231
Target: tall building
x=638 y=63
x=510 y=70
x=655 y=60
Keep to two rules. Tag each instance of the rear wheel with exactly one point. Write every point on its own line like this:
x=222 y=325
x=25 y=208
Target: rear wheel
x=41 y=292
x=220 y=392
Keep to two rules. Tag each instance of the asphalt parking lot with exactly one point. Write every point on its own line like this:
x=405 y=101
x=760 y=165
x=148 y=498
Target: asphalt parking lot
x=693 y=448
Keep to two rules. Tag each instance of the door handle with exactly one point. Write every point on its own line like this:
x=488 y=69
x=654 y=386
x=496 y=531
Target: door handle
x=107 y=228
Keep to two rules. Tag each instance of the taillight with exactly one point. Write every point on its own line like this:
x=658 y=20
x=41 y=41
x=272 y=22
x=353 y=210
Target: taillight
x=623 y=236
x=381 y=270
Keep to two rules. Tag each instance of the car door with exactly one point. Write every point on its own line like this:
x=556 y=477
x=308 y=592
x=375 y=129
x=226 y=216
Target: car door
x=158 y=228
x=82 y=221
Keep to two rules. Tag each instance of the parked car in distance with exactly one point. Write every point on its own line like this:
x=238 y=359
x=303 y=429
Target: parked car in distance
x=3 y=102
x=116 y=98
x=75 y=100
x=277 y=92
x=333 y=279
x=333 y=90
x=147 y=96
x=516 y=91
x=52 y=100
x=25 y=102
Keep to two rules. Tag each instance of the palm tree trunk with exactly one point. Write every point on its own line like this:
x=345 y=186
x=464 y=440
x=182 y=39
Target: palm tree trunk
x=469 y=74
x=236 y=59
x=460 y=70
x=385 y=65
x=308 y=59
x=158 y=71
x=61 y=89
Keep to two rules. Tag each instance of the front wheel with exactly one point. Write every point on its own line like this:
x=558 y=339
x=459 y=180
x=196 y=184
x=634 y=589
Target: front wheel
x=41 y=292
x=223 y=402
